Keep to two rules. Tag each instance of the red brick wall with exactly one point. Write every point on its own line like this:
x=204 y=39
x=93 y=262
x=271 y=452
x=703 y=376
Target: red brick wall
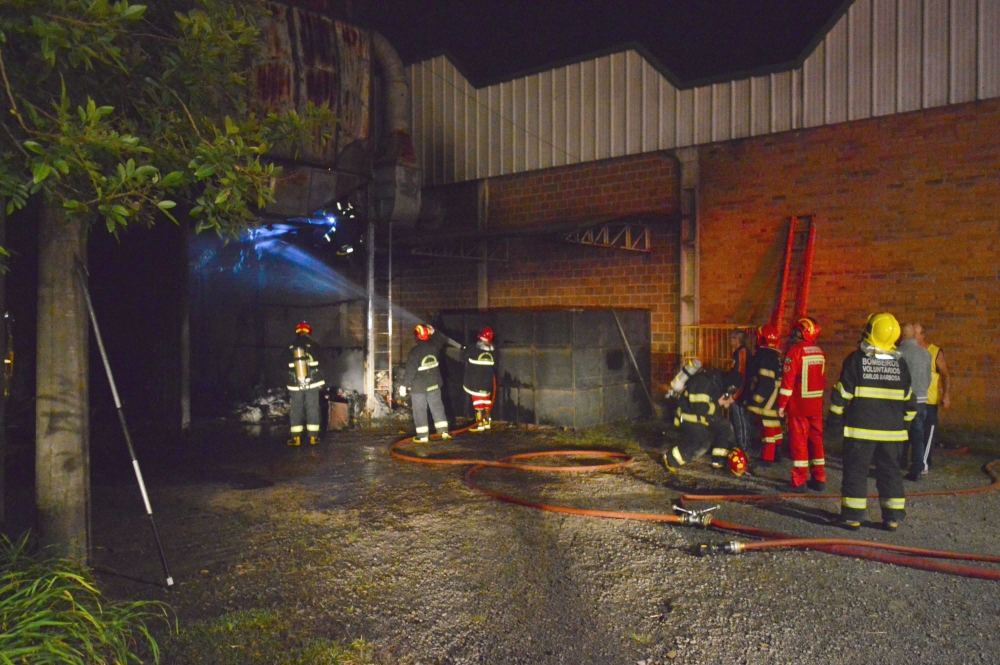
x=547 y=272
x=908 y=210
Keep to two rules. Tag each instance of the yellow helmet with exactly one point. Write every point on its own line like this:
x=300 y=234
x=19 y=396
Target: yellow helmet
x=882 y=331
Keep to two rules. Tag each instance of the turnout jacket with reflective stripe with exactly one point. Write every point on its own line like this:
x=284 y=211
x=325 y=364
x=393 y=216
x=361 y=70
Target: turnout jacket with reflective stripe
x=423 y=372
x=874 y=397
x=699 y=403
x=803 y=380
x=765 y=379
x=479 y=361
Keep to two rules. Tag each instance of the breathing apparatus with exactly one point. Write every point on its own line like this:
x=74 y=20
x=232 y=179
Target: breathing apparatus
x=689 y=369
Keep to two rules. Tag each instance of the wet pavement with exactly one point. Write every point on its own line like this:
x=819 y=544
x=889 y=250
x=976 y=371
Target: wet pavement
x=346 y=542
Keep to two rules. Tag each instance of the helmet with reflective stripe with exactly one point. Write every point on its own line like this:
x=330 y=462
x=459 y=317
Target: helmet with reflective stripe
x=768 y=336
x=423 y=332
x=808 y=328
x=738 y=461
x=882 y=331
x=487 y=335
x=303 y=328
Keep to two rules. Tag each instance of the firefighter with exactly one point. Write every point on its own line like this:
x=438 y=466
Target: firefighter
x=701 y=420
x=761 y=399
x=739 y=417
x=478 y=377
x=803 y=382
x=422 y=380
x=874 y=404
x=304 y=382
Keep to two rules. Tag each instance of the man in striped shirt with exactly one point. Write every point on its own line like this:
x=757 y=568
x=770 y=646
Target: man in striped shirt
x=874 y=404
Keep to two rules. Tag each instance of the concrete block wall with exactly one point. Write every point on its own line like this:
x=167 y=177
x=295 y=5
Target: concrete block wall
x=908 y=221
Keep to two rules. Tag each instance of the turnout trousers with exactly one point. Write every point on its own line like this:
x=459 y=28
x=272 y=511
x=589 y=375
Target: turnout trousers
x=421 y=402
x=771 y=436
x=744 y=429
x=305 y=414
x=805 y=447
x=858 y=456
x=697 y=439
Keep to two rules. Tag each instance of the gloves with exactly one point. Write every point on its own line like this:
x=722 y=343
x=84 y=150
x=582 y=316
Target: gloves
x=402 y=391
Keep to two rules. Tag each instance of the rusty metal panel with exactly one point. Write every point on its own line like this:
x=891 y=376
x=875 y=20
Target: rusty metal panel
x=883 y=57
x=760 y=105
x=813 y=88
x=668 y=114
x=835 y=75
x=935 y=65
x=909 y=86
x=962 y=56
x=740 y=109
x=859 y=60
x=989 y=49
x=560 y=117
x=275 y=73
x=721 y=111
x=353 y=62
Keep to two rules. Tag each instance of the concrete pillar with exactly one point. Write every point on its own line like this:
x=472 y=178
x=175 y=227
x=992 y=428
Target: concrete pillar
x=689 y=278
x=62 y=451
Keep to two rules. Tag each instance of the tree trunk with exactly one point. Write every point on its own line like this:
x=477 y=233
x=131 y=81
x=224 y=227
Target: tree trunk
x=62 y=451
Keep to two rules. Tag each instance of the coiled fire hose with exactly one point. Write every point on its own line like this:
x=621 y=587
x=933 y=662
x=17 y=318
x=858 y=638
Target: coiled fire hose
x=911 y=557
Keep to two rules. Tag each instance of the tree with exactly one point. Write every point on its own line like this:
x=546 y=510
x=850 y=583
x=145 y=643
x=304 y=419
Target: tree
x=121 y=114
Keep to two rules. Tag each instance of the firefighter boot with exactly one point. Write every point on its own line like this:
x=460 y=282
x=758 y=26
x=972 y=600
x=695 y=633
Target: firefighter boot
x=479 y=421
x=295 y=441
x=313 y=440
x=487 y=420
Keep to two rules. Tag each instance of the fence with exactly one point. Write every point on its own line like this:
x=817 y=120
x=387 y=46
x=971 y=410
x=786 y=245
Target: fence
x=710 y=343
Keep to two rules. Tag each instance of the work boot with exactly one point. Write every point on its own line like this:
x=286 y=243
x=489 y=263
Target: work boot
x=486 y=422
x=295 y=441
x=666 y=463
x=795 y=489
x=421 y=439
x=313 y=440
x=816 y=485
x=445 y=435
x=849 y=524
x=890 y=525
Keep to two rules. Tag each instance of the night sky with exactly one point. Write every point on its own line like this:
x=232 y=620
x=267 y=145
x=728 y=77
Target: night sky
x=696 y=41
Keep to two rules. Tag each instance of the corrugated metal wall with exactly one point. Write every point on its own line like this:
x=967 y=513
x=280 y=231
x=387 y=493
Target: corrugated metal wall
x=882 y=57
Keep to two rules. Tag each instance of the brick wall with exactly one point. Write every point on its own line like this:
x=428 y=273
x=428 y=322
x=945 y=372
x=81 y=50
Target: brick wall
x=545 y=272
x=908 y=221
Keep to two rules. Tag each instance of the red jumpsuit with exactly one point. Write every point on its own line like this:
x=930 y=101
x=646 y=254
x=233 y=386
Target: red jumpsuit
x=803 y=381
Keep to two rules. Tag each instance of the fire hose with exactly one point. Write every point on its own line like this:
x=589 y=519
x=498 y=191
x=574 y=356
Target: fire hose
x=911 y=557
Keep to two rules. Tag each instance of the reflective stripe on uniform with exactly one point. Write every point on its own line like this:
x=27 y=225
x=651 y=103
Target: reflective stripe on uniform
x=910 y=415
x=700 y=397
x=676 y=454
x=800 y=462
x=839 y=410
x=767 y=372
x=818 y=462
x=770 y=423
x=893 y=504
x=876 y=434
x=774 y=439
x=474 y=361
x=843 y=393
x=441 y=426
x=430 y=388
x=295 y=429
x=855 y=503
x=423 y=429
x=787 y=392
x=720 y=452
x=477 y=393
x=881 y=393
x=312 y=428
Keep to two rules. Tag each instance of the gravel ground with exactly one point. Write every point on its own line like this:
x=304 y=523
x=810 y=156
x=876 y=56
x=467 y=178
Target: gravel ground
x=347 y=542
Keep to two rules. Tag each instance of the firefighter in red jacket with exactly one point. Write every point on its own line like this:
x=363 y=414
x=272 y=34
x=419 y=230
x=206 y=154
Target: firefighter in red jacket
x=803 y=382
x=765 y=380
x=874 y=404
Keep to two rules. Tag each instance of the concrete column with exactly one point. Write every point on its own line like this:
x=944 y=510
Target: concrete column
x=62 y=453
x=689 y=278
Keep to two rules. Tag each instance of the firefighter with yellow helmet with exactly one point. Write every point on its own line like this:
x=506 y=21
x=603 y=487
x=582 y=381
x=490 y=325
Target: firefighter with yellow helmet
x=874 y=404
x=304 y=382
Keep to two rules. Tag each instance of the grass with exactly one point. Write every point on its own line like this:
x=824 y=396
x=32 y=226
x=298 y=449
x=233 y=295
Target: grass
x=247 y=637
x=52 y=612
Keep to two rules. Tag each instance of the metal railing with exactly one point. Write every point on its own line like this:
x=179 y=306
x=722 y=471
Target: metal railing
x=710 y=343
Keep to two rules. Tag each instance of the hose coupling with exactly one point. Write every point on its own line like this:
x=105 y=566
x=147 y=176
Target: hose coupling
x=700 y=518
x=732 y=547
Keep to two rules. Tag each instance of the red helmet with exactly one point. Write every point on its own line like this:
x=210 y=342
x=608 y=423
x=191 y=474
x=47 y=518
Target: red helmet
x=487 y=335
x=738 y=461
x=808 y=328
x=768 y=336
x=304 y=328
x=423 y=332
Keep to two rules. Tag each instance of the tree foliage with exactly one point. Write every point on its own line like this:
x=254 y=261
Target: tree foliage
x=118 y=112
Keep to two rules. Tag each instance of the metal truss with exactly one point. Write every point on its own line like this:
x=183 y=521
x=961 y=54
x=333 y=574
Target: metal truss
x=471 y=250
x=631 y=237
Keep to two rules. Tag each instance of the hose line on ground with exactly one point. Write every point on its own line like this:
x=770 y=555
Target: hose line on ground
x=911 y=557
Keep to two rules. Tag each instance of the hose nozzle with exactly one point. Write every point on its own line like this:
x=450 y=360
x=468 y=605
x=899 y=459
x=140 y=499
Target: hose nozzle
x=700 y=518
x=732 y=547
